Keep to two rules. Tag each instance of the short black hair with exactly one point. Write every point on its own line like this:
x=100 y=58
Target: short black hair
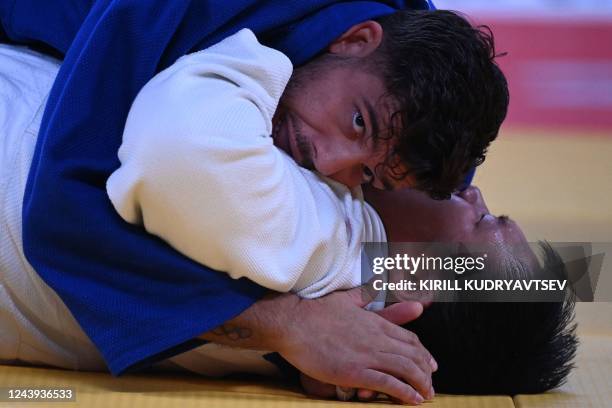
x=452 y=95
x=501 y=348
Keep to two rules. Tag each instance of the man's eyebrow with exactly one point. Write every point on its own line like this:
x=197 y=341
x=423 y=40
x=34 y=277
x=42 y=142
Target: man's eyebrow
x=373 y=119
x=503 y=220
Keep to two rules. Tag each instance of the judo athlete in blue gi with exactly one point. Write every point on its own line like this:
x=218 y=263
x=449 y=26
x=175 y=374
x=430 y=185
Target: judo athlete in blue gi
x=137 y=299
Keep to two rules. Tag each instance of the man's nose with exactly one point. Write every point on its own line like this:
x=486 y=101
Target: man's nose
x=473 y=196
x=343 y=163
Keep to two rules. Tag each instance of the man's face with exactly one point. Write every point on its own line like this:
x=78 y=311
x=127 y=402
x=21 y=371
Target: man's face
x=411 y=216
x=333 y=118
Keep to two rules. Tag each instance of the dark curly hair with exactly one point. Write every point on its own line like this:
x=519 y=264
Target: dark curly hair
x=453 y=97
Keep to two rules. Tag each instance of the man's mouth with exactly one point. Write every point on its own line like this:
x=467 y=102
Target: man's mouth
x=288 y=137
x=301 y=147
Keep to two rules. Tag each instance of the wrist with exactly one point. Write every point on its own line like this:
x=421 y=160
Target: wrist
x=277 y=319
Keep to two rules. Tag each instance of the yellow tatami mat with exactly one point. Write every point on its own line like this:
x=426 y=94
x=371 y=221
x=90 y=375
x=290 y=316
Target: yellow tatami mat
x=136 y=391
x=558 y=186
x=589 y=385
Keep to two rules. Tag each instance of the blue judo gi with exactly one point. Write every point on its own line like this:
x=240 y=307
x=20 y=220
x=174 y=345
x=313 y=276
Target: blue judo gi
x=136 y=298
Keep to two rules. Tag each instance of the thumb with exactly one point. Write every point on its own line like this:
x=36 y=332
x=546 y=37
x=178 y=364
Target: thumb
x=401 y=313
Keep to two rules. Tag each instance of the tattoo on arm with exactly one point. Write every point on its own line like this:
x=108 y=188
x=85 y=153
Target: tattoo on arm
x=232 y=332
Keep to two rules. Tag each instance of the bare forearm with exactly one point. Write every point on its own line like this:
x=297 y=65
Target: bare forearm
x=333 y=340
x=260 y=327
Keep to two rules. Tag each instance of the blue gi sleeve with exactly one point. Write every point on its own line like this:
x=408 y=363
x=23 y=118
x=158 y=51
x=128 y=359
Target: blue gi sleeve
x=134 y=296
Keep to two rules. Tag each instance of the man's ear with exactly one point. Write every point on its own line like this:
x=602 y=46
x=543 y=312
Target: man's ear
x=358 y=41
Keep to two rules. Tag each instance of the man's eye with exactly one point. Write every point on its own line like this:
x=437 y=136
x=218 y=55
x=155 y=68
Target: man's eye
x=368 y=175
x=358 y=122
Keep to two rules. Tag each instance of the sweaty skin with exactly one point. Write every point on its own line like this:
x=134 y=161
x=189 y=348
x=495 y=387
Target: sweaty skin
x=411 y=216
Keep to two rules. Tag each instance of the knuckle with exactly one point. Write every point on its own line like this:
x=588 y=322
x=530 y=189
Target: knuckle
x=424 y=378
x=422 y=362
x=385 y=381
x=421 y=379
x=381 y=380
x=410 y=393
x=418 y=360
x=418 y=377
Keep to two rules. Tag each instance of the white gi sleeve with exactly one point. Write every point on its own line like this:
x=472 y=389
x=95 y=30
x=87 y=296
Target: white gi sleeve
x=199 y=169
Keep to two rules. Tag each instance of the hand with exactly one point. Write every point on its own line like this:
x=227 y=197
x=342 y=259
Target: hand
x=333 y=340
x=320 y=389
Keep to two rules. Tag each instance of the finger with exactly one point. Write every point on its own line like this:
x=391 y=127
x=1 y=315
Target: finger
x=418 y=354
x=406 y=369
x=408 y=337
x=415 y=356
x=387 y=384
x=366 y=395
x=317 y=388
x=401 y=313
x=345 y=393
